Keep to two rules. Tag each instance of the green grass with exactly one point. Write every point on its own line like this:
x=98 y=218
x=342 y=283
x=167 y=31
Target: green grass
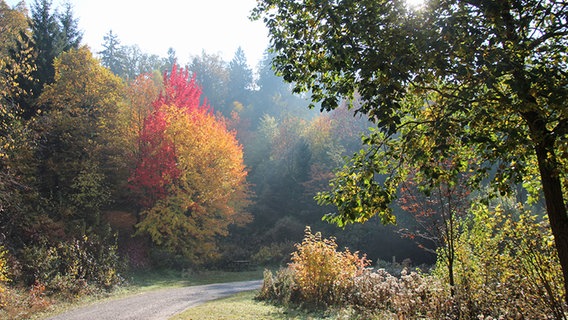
x=244 y=306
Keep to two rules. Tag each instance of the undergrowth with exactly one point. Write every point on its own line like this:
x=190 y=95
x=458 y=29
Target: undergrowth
x=502 y=274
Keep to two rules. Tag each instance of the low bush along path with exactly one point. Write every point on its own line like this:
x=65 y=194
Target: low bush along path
x=159 y=304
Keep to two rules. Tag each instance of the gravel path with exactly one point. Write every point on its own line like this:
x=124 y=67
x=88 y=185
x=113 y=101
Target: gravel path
x=157 y=305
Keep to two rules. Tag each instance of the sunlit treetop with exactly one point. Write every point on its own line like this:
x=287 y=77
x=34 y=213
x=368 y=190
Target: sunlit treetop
x=181 y=91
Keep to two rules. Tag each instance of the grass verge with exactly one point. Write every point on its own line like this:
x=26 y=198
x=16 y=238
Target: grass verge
x=244 y=306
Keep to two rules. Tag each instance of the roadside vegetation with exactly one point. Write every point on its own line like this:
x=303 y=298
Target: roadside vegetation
x=444 y=145
x=497 y=259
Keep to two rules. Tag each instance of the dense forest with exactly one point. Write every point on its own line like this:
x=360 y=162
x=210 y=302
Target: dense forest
x=120 y=160
x=117 y=160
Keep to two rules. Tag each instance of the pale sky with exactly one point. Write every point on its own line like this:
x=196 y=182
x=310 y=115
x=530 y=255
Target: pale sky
x=216 y=26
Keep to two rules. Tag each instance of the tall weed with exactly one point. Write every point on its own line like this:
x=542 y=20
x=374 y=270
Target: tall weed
x=507 y=266
x=413 y=295
x=324 y=276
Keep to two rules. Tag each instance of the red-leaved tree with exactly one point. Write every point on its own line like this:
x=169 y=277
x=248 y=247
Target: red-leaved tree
x=437 y=214
x=190 y=178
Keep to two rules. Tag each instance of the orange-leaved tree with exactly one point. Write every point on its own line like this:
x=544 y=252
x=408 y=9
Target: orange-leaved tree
x=190 y=172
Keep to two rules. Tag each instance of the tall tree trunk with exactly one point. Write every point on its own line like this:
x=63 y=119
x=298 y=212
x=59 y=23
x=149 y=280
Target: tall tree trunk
x=552 y=189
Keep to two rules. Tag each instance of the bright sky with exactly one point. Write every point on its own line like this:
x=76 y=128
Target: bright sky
x=190 y=26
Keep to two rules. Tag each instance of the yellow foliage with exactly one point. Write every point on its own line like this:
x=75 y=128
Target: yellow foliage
x=210 y=192
x=323 y=274
x=81 y=82
x=13 y=24
x=210 y=159
x=3 y=274
x=504 y=250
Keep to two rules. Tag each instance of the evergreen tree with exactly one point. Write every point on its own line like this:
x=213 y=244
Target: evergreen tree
x=51 y=34
x=69 y=33
x=47 y=40
x=112 y=54
x=240 y=79
x=171 y=60
x=210 y=72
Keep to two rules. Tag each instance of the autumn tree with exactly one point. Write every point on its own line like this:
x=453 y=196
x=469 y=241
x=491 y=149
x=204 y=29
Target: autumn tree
x=16 y=143
x=190 y=174
x=16 y=56
x=141 y=94
x=79 y=156
x=437 y=215
x=495 y=71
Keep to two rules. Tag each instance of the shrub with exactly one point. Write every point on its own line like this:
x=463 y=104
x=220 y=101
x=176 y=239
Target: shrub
x=506 y=266
x=24 y=303
x=323 y=275
x=280 y=287
x=410 y=296
x=72 y=267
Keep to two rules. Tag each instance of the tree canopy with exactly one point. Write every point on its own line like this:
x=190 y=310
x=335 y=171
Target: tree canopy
x=190 y=173
x=449 y=79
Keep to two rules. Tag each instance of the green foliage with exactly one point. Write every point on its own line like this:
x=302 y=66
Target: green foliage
x=73 y=267
x=211 y=73
x=239 y=80
x=477 y=79
x=506 y=266
x=82 y=159
x=364 y=187
x=89 y=193
x=274 y=254
x=52 y=33
x=129 y=62
x=170 y=228
x=111 y=55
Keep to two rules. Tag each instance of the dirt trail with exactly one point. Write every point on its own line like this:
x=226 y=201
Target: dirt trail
x=157 y=305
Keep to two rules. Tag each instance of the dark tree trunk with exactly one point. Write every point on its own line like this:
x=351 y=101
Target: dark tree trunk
x=556 y=210
x=552 y=188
